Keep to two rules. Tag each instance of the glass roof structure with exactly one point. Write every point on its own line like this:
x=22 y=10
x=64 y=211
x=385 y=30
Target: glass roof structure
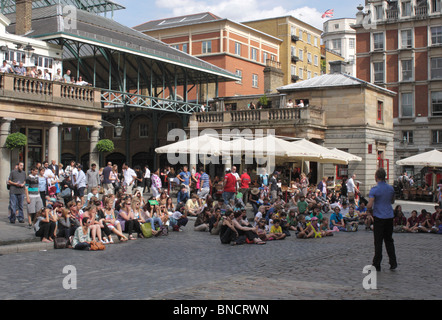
x=93 y=6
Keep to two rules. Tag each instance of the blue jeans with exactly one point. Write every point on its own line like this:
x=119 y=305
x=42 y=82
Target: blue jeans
x=227 y=196
x=152 y=222
x=16 y=202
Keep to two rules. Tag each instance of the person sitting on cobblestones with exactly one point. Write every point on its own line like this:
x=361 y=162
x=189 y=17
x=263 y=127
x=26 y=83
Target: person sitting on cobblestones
x=351 y=219
x=178 y=219
x=276 y=230
x=337 y=220
x=151 y=215
x=369 y=220
x=43 y=226
x=292 y=219
x=228 y=233
x=202 y=220
x=302 y=231
x=325 y=227
x=427 y=224
x=412 y=225
x=249 y=232
x=82 y=237
x=90 y=212
x=111 y=222
x=399 y=220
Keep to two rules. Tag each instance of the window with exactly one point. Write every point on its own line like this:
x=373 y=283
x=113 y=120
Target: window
x=238 y=48
x=378 y=41
x=336 y=44
x=380 y=111
x=407 y=104
x=309 y=75
x=407 y=70
x=436 y=35
x=316 y=41
x=406 y=9
x=207 y=46
x=293 y=70
x=406 y=39
x=309 y=57
x=176 y=46
x=435 y=5
x=18 y=56
x=316 y=60
x=336 y=26
x=143 y=130
x=378 y=71
x=292 y=31
x=351 y=43
x=185 y=48
x=67 y=134
x=436 y=103
x=254 y=54
x=437 y=136
x=301 y=73
x=255 y=80
x=239 y=74
x=436 y=68
x=379 y=12
x=309 y=38
x=264 y=57
x=407 y=137
x=300 y=34
x=301 y=55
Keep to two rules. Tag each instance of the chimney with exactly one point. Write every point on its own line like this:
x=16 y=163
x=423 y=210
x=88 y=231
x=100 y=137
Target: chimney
x=23 y=13
x=337 y=66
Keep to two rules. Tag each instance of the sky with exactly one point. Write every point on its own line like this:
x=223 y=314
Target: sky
x=309 y=11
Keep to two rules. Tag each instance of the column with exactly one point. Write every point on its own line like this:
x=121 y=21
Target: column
x=53 y=143
x=5 y=156
x=94 y=156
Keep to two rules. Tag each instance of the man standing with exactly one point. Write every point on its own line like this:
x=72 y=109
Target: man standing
x=381 y=198
x=273 y=186
x=129 y=176
x=139 y=180
x=245 y=186
x=229 y=186
x=184 y=177
x=107 y=183
x=351 y=189
x=147 y=180
x=33 y=199
x=17 y=193
x=81 y=184
x=205 y=184
x=92 y=178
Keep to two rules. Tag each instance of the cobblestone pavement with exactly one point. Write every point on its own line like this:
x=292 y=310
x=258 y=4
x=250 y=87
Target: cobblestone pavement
x=193 y=265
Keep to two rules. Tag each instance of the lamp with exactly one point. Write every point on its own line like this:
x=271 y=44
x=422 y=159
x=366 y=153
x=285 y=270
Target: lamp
x=29 y=50
x=119 y=128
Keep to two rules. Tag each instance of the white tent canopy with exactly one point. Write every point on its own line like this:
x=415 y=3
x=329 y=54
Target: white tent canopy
x=427 y=159
x=348 y=156
x=204 y=144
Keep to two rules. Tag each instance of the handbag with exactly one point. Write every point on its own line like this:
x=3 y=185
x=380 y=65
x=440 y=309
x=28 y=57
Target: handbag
x=60 y=243
x=146 y=229
x=97 y=246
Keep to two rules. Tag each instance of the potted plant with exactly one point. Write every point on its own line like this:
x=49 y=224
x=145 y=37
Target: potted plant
x=105 y=145
x=16 y=141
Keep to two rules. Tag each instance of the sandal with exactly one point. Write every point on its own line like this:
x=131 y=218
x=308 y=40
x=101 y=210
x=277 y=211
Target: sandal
x=131 y=237
x=260 y=242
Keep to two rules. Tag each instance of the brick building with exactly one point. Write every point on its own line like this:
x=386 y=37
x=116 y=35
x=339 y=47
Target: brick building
x=230 y=45
x=399 y=47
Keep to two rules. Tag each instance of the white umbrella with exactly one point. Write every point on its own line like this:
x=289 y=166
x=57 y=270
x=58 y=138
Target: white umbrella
x=204 y=144
x=427 y=159
x=348 y=156
x=324 y=155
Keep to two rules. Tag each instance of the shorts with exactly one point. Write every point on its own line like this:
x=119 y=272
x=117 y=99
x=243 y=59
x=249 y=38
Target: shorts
x=81 y=191
x=35 y=205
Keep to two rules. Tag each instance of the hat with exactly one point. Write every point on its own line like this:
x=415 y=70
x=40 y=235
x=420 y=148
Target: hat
x=228 y=170
x=314 y=218
x=308 y=218
x=254 y=191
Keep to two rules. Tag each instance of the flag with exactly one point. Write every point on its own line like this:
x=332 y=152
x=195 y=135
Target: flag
x=328 y=13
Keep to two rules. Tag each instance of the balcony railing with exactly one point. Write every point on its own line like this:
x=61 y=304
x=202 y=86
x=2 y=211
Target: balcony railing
x=421 y=12
x=36 y=90
x=261 y=117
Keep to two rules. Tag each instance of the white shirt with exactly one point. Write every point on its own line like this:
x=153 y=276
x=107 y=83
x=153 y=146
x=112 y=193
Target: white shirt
x=129 y=176
x=147 y=174
x=350 y=186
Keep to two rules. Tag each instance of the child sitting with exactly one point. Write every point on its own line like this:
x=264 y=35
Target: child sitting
x=276 y=230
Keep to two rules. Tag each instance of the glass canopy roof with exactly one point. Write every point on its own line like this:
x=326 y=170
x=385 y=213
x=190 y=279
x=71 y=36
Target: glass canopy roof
x=93 y=6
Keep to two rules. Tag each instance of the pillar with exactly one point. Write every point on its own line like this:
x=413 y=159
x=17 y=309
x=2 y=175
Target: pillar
x=94 y=156
x=5 y=156
x=53 y=143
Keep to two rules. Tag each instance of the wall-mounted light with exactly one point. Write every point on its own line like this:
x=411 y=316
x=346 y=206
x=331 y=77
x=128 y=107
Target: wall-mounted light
x=119 y=129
